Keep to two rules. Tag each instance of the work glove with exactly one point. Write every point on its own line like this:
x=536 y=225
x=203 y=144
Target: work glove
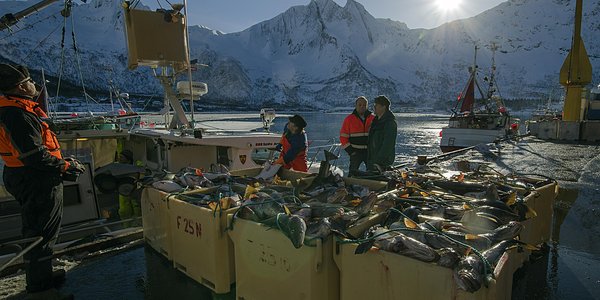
x=75 y=166
x=279 y=147
x=350 y=150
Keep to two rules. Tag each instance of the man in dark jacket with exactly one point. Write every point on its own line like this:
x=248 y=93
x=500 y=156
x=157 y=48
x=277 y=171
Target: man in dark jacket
x=381 y=150
x=354 y=134
x=33 y=166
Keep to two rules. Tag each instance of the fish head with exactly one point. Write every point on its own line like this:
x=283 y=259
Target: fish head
x=449 y=258
x=295 y=230
x=319 y=229
x=367 y=204
x=468 y=280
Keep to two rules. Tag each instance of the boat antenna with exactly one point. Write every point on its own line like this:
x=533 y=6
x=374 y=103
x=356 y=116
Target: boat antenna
x=491 y=88
x=474 y=72
x=189 y=66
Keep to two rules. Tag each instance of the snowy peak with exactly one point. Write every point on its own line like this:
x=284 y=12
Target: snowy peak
x=322 y=54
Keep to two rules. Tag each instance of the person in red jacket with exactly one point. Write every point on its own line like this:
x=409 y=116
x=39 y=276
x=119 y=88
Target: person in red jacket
x=354 y=134
x=33 y=169
x=293 y=145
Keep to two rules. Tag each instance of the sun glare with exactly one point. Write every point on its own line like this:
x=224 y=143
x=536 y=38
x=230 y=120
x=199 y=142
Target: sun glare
x=447 y=5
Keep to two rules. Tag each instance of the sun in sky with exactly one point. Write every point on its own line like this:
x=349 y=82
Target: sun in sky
x=448 y=5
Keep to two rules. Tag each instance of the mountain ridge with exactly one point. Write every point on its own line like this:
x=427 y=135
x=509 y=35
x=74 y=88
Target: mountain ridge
x=322 y=55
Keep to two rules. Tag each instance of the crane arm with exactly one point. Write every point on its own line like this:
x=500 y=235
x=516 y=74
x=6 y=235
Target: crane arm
x=12 y=18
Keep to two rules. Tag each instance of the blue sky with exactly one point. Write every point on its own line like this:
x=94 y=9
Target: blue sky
x=236 y=15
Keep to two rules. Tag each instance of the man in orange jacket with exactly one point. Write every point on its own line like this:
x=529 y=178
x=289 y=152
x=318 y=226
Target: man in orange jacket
x=33 y=169
x=354 y=135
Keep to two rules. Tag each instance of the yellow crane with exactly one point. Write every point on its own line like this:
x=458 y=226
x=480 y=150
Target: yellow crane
x=576 y=72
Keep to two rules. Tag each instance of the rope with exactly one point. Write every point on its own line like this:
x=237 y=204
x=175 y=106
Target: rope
x=62 y=59
x=77 y=59
x=147 y=102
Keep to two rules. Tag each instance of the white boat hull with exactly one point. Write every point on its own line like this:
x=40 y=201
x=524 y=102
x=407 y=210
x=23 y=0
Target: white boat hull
x=458 y=138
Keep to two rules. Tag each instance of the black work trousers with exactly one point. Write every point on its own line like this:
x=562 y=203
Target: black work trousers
x=41 y=197
x=356 y=158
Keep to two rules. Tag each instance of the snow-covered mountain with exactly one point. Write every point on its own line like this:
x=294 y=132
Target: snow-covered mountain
x=321 y=54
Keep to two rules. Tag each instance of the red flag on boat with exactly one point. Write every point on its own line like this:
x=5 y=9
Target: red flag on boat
x=469 y=96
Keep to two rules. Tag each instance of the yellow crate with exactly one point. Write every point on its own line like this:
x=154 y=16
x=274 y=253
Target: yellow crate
x=269 y=267
x=538 y=230
x=386 y=276
x=201 y=248
x=155 y=221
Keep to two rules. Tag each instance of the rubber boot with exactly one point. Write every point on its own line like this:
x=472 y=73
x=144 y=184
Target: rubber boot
x=58 y=277
x=50 y=294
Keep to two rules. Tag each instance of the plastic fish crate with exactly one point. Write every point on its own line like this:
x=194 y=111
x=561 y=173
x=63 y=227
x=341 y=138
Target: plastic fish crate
x=269 y=267
x=394 y=276
x=155 y=221
x=538 y=230
x=384 y=275
x=201 y=248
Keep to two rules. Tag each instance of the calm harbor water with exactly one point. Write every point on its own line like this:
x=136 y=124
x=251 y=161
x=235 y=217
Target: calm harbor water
x=418 y=134
x=568 y=270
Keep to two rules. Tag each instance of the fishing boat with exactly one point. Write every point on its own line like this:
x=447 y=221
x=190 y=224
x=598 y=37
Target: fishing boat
x=477 y=121
x=161 y=142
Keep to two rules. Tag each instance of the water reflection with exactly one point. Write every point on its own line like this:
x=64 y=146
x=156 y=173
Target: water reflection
x=138 y=273
x=561 y=270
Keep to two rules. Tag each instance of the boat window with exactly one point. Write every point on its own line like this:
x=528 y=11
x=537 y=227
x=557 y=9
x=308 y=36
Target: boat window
x=261 y=155
x=71 y=195
x=223 y=156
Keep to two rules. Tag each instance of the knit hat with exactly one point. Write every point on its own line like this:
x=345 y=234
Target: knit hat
x=12 y=75
x=382 y=100
x=298 y=121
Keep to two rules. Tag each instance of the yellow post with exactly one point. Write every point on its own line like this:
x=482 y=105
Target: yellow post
x=576 y=71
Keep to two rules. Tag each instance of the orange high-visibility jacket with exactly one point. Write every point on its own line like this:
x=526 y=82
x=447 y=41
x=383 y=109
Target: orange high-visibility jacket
x=355 y=131
x=25 y=138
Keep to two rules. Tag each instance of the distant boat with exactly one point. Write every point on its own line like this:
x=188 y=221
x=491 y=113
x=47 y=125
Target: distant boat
x=477 y=121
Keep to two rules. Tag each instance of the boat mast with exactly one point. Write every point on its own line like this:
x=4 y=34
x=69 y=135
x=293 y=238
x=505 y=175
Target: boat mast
x=492 y=84
x=474 y=72
x=187 y=43
x=491 y=88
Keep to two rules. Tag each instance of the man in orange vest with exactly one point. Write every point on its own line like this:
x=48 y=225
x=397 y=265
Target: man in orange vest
x=354 y=135
x=33 y=169
x=293 y=145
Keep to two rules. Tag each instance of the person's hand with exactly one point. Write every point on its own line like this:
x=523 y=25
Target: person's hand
x=350 y=150
x=279 y=161
x=75 y=166
x=279 y=147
